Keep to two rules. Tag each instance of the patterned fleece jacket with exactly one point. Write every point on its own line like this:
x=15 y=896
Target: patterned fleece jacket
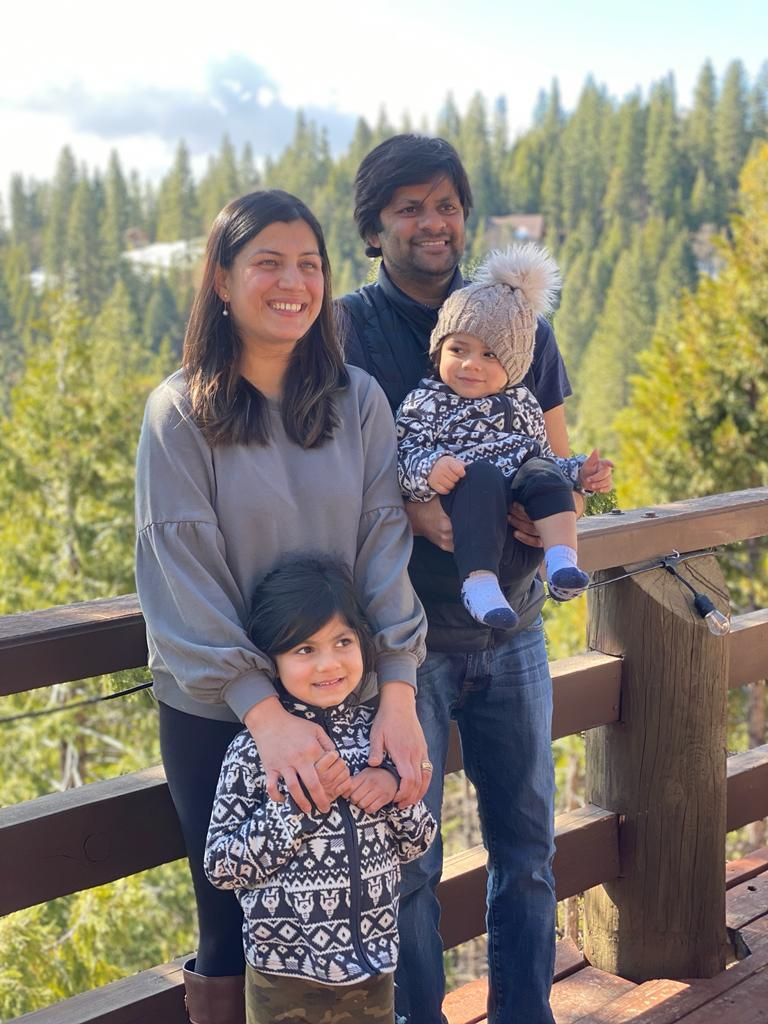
x=505 y=429
x=319 y=892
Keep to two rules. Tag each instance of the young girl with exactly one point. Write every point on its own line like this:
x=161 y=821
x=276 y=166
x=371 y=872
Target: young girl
x=318 y=890
x=477 y=438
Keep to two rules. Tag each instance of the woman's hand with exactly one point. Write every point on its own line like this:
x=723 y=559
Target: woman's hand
x=289 y=747
x=428 y=519
x=397 y=730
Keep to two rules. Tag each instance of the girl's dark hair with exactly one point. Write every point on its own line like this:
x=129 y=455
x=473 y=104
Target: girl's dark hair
x=301 y=596
x=398 y=161
x=226 y=408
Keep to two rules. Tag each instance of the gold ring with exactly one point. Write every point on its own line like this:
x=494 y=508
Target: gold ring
x=427 y=766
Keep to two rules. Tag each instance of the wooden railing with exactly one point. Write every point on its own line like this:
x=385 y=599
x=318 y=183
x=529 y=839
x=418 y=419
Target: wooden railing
x=71 y=841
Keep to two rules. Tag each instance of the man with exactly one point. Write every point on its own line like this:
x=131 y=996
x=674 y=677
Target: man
x=412 y=198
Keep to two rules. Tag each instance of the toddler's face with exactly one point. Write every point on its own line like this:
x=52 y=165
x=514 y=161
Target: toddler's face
x=469 y=367
x=325 y=668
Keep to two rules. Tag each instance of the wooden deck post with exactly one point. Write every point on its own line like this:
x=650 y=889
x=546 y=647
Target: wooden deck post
x=662 y=768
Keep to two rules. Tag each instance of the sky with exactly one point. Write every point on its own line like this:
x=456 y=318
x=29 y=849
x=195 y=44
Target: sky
x=140 y=75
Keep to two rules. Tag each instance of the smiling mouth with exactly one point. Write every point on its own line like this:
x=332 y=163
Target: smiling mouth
x=287 y=307
x=329 y=682
x=433 y=243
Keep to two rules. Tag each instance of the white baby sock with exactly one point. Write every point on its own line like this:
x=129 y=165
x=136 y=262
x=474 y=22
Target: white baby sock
x=564 y=578
x=484 y=600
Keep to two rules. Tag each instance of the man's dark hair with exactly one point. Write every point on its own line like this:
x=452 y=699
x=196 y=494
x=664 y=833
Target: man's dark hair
x=403 y=160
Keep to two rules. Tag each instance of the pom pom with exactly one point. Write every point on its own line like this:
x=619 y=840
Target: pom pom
x=527 y=268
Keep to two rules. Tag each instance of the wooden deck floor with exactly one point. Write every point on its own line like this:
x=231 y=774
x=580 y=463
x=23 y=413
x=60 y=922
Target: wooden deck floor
x=737 y=996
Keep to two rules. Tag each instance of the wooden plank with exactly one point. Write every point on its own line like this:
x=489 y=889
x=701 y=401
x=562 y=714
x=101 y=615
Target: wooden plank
x=586 y=992
x=587 y=854
x=745 y=1004
x=690 y=525
x=586 y=692
x=747 y=787
x=70 y=642
x=467 y=1005
x=747 y=902
x=748 y=648
x=84 y=837
x=667 y=1002
x=738 y=871
x=155 y=996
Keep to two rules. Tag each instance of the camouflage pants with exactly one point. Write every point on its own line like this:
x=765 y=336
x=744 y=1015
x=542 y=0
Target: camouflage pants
x=272 y=999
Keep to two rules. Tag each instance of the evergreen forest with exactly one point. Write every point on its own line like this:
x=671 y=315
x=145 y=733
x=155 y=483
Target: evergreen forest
x=658 y=216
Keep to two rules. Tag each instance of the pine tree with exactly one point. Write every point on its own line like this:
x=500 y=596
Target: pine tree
x=60 y=198
x=625 y=195
x=84 y=266
x=177 y=209
x=664 y=173
x=731 y=136
x=116 y=219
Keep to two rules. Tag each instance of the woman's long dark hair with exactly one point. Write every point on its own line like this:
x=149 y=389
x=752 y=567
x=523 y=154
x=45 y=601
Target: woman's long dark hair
x=300 y=596
x=227 y=409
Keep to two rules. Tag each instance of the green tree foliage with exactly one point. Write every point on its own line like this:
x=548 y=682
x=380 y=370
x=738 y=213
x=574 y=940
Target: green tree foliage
x=59 y=200
x=177 y=206
x=731 y=133
x=697 y=419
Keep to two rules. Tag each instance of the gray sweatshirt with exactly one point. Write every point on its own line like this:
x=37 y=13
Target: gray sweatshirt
x=211 y=522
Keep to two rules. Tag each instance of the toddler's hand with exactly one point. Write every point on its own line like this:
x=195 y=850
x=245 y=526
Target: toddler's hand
x=372 y=788
x=333 y=773
x=446 y=473
x=596 y=474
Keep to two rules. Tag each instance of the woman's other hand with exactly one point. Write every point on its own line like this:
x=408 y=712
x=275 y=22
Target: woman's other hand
x=397 y=730
x=289 y=747
x=429 y=520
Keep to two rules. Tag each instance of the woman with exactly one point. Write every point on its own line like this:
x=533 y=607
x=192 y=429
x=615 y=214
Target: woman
x=263 y=444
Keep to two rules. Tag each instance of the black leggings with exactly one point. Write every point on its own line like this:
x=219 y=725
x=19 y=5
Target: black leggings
x=477 y=508
x=193 y=749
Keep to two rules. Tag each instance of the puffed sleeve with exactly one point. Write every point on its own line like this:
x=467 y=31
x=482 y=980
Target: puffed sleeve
x=190 y=600
x=384 y=547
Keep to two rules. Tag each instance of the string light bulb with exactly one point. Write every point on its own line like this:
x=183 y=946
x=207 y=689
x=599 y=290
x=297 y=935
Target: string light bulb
x=717 y=623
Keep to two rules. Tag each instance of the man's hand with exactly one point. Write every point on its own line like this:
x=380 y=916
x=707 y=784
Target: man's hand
x=524 y=528
x=333 y=773
x=596 y=474
x=446 y=473
x=428 y=520
x=372 y=788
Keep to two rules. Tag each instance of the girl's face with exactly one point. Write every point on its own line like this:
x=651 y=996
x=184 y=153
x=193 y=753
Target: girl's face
x=275 y=286
x=325 y=668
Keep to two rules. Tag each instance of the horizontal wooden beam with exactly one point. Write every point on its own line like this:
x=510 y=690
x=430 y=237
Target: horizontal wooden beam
x=587 y=854
x=67 y=842
x=155 y=996
x=747 y=787
x=690 y=525
x=70 y=642
x=748 y=642
x=78 y=641
x=586 y=691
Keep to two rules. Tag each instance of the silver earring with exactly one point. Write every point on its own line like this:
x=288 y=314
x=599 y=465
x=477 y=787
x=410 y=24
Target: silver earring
x=225 y=311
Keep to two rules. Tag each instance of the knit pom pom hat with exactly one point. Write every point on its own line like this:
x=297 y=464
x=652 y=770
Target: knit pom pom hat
x=512 y=287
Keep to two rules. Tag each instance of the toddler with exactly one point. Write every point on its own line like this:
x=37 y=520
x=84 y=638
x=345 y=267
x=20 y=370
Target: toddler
x=476 y=436
x=319 y=892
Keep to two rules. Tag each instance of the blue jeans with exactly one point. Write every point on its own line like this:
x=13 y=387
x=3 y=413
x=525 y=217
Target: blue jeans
x=501 y=699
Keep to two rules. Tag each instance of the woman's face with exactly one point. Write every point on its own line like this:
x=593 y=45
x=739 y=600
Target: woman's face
x=275 y=285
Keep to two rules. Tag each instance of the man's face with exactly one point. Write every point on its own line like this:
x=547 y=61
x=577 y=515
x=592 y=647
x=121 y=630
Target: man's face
x=422 y=232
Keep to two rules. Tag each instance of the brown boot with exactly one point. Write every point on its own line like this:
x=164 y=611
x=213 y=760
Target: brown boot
x=214 y=1000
